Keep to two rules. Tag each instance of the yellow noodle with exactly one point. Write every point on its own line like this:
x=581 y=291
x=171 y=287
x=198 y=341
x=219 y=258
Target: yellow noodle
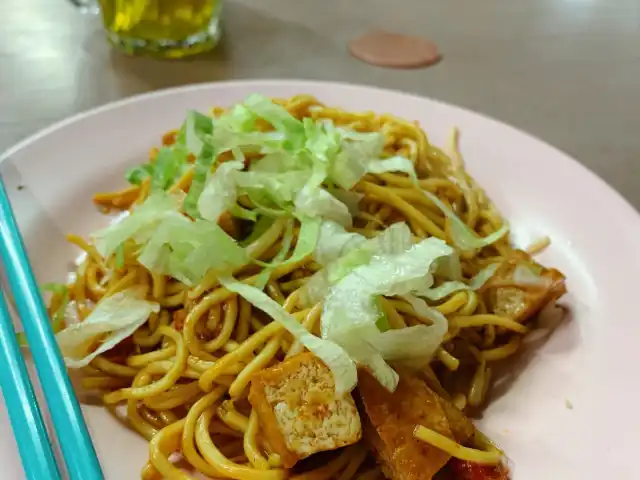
x=393 y=317
x=477 y=387
x=244 y=318
x=144 y=359
x=487 y=319
x=150 y=337
x=91 y=251
x=188 y=434
x=455 y=449
x=251 y=450
x=457 y=301
x=354 y=464
x=333 y=467
x=166 y=382
x=503 y=351
x=113 y=368
x=415 y=218
x=178 y=395
x=258 y=363
x=223 y=465
x=230 y=416
x=253 y=342
x=162 y=445
x=539 y=245
x=449 y=361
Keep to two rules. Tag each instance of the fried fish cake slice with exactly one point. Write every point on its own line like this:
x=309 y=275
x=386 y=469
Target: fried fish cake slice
x=390 y=418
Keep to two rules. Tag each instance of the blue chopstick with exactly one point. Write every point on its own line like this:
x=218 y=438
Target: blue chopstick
x=73 y=436
x=31 y=435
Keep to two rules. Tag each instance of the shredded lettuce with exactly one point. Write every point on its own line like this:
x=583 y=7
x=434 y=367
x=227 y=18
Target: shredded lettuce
x=336 y=359
x=447 y=288
x=462 y=236
x=195 y=136
x=262 y=224
x=334 y=242
x=450 y=267
x=278 y=117
x=317 y=202
x=167 y=166
x=386 y=274
x=140 y=225
x=172 y=244
x=349 y=198
x=392 y=164
x=204 y=162
x=300 y=158
x=350 y=311
x=220 y=193
x=195 y=131
x=113 y=319
x=137 y=174
x=187 y=250
x=525 y=275
x=120 y=256
x=340 y=252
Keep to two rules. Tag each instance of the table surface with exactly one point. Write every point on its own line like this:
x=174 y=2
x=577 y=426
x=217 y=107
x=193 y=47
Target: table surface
x=567 y=71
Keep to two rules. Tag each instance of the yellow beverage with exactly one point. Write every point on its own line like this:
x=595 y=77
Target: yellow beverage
x=169 y=28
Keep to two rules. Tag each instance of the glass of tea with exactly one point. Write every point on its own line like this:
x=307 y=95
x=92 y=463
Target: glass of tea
x=164 y=28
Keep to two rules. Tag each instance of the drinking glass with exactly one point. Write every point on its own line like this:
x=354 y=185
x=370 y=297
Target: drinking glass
x=164 y=28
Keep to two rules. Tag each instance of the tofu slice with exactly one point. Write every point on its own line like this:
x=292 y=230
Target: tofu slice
x=390 y=418
x=298 y=409
x=518 y=303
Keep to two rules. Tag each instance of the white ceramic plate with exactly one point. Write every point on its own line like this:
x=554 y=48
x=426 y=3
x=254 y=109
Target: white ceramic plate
x=587 y=364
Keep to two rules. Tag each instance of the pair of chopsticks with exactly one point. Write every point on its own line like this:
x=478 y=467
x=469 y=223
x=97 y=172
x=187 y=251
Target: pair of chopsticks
x=34 y=445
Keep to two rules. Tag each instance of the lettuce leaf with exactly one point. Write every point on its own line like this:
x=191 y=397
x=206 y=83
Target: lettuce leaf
x=172 y=244
x=187 y=250
x=220 y=191
x=350 y=311
x=357 y=151
x=204 y=162
x=334 y=242
x=168 y=165
x=195 y=132
x=137 y=174
x=113 y=319
x=277 y=116
x=528 y=275
x=447 y=288
x=140 y=224
x=392 y=164
x=461 y=235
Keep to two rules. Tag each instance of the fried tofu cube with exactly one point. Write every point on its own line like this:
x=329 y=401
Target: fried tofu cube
x=389 y=419
x=507 y=299
x=298 y=409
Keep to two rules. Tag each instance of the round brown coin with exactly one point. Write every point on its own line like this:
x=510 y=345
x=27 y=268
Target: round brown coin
x=394 y=50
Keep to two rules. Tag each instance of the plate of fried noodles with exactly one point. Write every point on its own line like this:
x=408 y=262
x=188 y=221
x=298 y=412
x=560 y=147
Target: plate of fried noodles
x=286 y=279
